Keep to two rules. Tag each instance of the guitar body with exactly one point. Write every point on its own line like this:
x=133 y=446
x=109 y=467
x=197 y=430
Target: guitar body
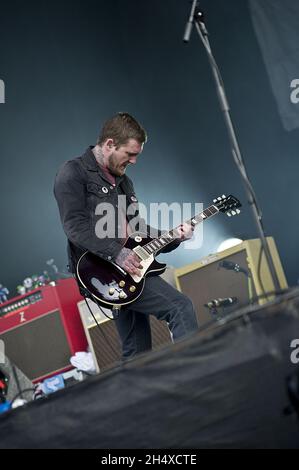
x=111 y=285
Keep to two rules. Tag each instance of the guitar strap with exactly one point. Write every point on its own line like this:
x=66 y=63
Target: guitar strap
x=128 y=190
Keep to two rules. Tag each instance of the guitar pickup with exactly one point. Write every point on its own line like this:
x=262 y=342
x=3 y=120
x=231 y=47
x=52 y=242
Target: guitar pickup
x=141 y=253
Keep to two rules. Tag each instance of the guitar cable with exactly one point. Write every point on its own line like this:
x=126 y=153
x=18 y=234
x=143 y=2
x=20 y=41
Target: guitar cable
x=84 y=292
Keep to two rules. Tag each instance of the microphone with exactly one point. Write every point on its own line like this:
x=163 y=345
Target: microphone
x=226 y=302
x=189 y=24
x=233 y=266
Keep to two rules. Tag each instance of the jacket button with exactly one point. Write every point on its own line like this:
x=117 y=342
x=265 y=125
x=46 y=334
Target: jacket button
x=109 y=257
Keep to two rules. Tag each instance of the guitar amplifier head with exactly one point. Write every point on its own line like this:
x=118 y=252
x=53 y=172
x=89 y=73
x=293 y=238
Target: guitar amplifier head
x=235 y=276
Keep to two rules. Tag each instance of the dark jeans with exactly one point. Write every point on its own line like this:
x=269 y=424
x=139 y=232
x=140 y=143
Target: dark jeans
x=164 y=302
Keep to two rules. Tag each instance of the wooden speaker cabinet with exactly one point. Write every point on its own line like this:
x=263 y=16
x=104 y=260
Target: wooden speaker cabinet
x=104 y=342
x=240 y=273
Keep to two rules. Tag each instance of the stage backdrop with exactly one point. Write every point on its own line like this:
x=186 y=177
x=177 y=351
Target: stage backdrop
x=68 y=65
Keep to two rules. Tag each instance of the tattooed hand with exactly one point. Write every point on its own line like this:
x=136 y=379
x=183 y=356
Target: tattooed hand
x=185 y=232
x=128 y=260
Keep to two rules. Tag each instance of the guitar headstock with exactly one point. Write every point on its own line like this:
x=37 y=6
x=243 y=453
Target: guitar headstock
x=229 y=205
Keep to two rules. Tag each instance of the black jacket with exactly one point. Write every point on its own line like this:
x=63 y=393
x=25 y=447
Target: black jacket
x=80 y=186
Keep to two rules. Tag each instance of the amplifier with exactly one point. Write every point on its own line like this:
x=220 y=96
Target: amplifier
x=236 y=276
x=105 y=344
x=42 y=330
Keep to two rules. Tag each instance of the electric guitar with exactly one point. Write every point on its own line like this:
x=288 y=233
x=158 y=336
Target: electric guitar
x=112 y=287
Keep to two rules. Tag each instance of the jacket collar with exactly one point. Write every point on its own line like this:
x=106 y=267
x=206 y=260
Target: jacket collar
x=89 y=161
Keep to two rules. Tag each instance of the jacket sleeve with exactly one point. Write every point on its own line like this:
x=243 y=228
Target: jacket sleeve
x=77 y=222
x=151 y=231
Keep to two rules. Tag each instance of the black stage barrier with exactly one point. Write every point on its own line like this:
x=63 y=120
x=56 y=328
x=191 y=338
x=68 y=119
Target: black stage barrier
x=232 y=388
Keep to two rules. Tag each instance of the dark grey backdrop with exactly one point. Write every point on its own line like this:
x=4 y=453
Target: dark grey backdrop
x=68 y=65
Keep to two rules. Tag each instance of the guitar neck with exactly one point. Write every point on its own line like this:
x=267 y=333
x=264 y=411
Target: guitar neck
x=157 y=243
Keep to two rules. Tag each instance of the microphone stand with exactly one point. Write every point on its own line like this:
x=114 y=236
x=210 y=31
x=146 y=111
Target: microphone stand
x=198 y=20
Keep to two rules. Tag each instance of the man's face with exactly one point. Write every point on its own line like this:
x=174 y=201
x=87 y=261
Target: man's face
x=126 y=154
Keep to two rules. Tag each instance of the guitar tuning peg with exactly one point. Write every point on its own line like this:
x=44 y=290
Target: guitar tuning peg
x=228 y=214
x=223 y=196
x=214 y=200
x=234 y=212
x=219 y=198
x=238 y=211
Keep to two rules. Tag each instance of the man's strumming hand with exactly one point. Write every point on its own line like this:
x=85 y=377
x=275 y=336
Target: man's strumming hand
x=129 y=261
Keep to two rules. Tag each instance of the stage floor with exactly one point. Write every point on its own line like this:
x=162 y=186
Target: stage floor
x=225 y=389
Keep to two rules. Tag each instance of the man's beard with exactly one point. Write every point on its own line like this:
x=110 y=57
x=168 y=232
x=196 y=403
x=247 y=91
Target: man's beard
x=115 y=168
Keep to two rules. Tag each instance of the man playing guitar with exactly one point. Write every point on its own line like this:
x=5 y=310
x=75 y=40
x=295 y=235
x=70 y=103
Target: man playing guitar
x=99 y=176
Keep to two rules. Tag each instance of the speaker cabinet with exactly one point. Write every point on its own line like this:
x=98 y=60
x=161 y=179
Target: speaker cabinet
x=104 y=342
x=240 y=273
x=42 y=329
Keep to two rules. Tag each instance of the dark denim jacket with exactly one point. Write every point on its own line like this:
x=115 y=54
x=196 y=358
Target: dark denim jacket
x=80 y=186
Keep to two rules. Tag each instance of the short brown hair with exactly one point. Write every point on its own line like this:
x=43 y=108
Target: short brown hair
x=121 y=128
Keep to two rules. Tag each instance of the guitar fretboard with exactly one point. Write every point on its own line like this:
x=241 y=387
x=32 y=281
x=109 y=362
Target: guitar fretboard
x=158 y=243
